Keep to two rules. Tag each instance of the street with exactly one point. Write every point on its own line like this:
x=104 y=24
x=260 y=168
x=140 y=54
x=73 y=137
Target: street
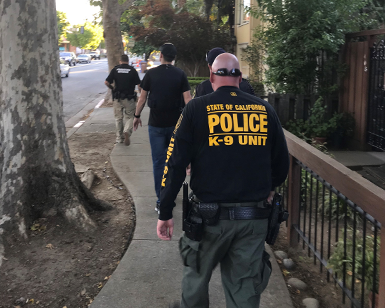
x=84 y=84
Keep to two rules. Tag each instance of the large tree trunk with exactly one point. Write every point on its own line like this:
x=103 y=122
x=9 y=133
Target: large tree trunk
x=112 y=11
x=37 y=177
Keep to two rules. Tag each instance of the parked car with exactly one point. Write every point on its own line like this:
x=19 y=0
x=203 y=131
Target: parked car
x=84 y=58
x=94 y=56
x=64 y=69
x=68 y=57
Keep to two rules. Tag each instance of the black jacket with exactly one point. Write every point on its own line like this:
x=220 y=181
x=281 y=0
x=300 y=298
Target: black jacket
x=236 y=147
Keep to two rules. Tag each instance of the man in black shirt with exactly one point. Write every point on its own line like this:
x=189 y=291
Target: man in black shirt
x=126 y=78
x=166 y=86
x=238 y=155
x=205 y=86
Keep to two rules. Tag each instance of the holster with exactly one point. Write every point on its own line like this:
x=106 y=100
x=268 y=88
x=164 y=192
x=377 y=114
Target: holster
x=192 y=223
x=277 y=216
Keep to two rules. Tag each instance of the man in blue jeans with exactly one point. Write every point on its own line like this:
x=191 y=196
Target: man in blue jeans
x=168 y=91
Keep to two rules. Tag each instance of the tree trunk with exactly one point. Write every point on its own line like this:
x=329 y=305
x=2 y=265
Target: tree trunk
x=112 y=34
x=112 y=11
x=37 y=177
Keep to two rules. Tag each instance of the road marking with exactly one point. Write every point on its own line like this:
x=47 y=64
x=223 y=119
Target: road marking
x=80 y=123
x=99 y=104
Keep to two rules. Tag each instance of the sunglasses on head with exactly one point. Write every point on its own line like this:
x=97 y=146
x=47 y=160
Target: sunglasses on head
x=225 y=72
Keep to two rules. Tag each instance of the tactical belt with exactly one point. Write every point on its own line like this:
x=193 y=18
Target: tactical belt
x=232 y=211
x=244 y=213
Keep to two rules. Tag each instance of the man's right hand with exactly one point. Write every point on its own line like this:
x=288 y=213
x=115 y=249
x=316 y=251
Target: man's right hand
x=137 y=122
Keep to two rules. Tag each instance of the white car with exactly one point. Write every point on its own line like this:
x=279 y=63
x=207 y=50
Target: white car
x=84 y=58
x=64 y=69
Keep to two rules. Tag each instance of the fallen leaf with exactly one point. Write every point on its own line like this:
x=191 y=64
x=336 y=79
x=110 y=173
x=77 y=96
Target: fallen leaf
x=100 y=285
x=106 y=278
x=279 y=261
x=35 y=227
x=285 y=272
x=4 y=258
x=88 y=275
x=50 y=246
x=298 y=292
x=83 y=292
x=31 y=301
x=106 y=162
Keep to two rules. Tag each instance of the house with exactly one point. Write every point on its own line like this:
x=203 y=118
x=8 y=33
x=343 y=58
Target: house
x=244 y=29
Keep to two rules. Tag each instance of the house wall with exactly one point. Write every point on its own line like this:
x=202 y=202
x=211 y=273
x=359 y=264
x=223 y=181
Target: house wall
x=244 y=29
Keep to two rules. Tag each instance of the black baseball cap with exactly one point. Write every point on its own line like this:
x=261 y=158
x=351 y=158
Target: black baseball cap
x=168 y=50
x=213 y=53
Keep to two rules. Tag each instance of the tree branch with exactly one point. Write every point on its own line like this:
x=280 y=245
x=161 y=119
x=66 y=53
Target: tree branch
x=125 y=6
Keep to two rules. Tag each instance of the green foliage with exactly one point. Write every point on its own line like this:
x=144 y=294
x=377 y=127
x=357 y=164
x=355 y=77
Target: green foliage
x=297 y=32
x=141 y=47
x=338 y=259
x=194 y=81
x=252 y=54
x=342 y=124
x=62 y=25
x=90 y=39
x=318 y=125
x=158 y=22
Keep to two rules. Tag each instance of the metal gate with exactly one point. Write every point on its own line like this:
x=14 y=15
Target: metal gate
x=376 y=114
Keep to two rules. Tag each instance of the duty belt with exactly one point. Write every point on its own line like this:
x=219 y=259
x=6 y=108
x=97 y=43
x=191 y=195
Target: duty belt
x=244 y=213
x=237 y=211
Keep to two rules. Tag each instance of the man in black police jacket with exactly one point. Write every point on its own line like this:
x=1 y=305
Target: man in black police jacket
x=238 y=155
x=168 y=90
x=205 y=86
x=126 y=78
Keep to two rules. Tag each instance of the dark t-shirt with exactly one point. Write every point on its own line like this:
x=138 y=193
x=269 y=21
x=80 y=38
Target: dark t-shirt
x=126 y=78
x=205 y=88
x=166 y=85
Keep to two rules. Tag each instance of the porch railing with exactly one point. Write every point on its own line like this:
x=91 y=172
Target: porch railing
x=336 y=215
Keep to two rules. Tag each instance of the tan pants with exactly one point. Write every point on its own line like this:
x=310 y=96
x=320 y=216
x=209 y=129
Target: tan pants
x=124 y=109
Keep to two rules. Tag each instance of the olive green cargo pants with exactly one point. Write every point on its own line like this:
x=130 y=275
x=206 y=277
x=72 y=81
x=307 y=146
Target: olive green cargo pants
x=238 y=245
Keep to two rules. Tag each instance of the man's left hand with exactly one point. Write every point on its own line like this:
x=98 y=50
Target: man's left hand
x=136 y=123
x=165 y=229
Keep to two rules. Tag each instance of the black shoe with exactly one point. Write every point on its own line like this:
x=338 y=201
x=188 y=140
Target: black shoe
x=157 y=207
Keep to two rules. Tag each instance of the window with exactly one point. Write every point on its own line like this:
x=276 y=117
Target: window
x=241 y=15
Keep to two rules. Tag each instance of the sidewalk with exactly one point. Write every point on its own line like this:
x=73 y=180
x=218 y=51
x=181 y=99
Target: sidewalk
x=149 y=274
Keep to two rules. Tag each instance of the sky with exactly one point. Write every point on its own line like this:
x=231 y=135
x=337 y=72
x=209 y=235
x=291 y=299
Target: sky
x=77 y=10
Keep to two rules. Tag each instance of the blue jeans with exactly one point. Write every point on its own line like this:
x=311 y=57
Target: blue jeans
x=159 y=141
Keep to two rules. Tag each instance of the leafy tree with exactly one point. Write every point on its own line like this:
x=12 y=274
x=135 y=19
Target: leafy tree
x=302 y=34
x=141 y=47
x=90 y=39
x=192 y=35
x=37 y=177
x=62 y=25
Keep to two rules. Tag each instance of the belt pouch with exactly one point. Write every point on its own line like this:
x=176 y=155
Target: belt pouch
x=209 y=212
x=193 y=230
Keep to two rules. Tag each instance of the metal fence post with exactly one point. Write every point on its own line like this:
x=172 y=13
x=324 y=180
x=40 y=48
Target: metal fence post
x=293 y=200
x=381 y=288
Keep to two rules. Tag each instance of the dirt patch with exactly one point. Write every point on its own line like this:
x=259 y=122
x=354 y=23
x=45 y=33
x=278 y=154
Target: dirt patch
x=61 y=266
x=327 y=293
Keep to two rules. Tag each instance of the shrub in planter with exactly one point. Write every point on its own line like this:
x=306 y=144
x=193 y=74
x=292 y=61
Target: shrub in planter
x=338 y=261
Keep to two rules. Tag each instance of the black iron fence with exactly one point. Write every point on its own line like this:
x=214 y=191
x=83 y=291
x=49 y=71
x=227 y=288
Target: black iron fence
x=297 y=106
x=376 y=110
x=336 y=216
